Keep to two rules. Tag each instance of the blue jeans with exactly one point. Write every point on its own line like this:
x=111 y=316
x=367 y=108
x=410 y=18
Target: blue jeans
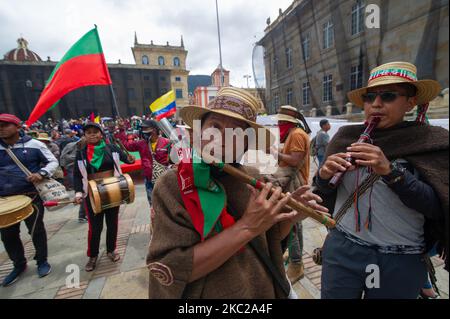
x=149 y=188
x=320 y=158
x=296 y=244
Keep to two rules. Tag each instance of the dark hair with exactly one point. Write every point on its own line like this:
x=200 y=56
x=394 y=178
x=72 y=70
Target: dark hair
x=323 y=122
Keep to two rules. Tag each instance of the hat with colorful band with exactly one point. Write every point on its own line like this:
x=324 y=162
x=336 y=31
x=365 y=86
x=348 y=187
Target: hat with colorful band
x=395 y=73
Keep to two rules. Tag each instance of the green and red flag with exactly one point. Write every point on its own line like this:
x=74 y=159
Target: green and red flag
x=83 y=65
x=204 y=198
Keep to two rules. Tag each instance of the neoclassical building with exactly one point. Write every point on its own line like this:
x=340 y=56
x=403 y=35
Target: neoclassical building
x=318 y=50
x=165 y=57
x=23 y=74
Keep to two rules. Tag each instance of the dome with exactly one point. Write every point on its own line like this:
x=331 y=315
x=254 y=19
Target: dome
x=22 y=53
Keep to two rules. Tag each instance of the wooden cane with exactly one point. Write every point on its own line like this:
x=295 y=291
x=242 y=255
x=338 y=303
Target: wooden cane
x=292 y=203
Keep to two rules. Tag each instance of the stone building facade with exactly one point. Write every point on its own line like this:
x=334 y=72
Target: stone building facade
x=318 y=50
x=166 y=57
x=23 y=74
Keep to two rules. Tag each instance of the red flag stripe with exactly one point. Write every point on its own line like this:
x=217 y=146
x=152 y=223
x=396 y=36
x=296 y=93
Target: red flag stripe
x=84 y=70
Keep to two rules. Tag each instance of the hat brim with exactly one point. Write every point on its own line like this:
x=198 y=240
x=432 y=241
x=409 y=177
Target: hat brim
x=287 y=118
x=43 y=139
x=192 y=112
x=427 y=90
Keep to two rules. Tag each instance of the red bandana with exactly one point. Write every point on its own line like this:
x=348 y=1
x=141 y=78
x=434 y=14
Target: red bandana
x=285 y=127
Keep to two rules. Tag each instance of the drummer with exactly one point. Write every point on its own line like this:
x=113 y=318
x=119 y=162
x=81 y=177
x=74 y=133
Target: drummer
x=96 y=160
x=41 y=162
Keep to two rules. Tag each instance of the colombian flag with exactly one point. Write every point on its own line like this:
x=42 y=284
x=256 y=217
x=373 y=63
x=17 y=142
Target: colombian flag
x=164 y=106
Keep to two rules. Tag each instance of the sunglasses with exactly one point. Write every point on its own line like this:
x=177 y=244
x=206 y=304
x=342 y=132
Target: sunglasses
x=385 y=96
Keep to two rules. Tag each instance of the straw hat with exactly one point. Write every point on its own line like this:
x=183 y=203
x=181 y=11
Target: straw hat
x=288 y=113
x=232 y=102
x=43 y=137
x=394 y=73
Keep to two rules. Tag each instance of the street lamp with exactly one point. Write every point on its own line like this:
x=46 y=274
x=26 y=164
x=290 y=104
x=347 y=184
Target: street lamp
x=247 y=77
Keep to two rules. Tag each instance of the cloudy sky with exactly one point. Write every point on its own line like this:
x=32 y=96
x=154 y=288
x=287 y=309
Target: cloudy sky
x=52 y=26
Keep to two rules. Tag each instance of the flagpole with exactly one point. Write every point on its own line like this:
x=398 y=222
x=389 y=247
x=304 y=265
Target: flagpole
x=115 y=108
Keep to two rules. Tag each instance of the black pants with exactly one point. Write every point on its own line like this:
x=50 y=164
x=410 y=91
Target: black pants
x=96 y=226
x=347 y=271
x=13 y=244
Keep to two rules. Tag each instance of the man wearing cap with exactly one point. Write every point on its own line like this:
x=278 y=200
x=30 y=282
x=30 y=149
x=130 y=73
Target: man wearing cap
x=150 y=146
x=387 y=223
x=205 y=218
x=292 y=173
x=68 y=137
x=38 y=159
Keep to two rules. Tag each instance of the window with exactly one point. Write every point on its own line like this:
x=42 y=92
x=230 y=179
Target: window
x=276 y=101
x=146 y=78
x=131 y=94
x=130 y=77
x=176 y=61
x=145 y=59
x=162 y=78
x=356 y=77
x=306 y=93
x=147 y=93
x=328 y=35
x=163 y=91
x=327 y=88
x=289 y=58
x=289 y=96
x=357 y=17
x=275 y=63
x=306 y=47
x=177 y=79
x=161 y=61
x=179 y=93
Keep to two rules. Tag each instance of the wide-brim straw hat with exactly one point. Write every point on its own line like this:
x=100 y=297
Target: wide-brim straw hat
x=395 y=73
x=43 y=137
x=235 y=103
x=288 y=113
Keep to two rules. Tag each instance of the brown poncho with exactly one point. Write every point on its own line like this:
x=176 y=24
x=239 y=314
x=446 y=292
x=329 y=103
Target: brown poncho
x=171 y=248
x=423 y=146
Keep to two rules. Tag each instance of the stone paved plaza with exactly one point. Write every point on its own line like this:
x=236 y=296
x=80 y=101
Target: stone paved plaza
x=127 y=278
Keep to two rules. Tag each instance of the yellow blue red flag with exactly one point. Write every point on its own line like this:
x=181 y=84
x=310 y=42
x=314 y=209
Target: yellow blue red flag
x=164 y=106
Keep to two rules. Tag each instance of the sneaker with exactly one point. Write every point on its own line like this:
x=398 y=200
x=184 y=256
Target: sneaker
x=91 y=264
x=44 y=269
x=295 y=272
x=82 y=220
x=13 y=276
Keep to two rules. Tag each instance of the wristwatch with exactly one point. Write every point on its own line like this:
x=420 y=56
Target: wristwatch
x=396 y=175
x=43 y=173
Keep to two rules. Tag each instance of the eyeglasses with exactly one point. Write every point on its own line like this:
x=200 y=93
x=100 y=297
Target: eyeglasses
x=385 y=96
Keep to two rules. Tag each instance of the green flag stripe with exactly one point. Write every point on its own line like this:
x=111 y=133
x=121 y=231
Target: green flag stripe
x=88 y=44
x=212 y=196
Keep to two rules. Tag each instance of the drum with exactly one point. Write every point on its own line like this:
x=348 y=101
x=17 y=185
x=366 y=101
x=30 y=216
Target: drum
x=14 y=209
x=111 y=192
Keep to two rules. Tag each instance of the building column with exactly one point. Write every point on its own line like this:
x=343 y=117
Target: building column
x=329 y=110
x=349 y=108
x=445 y=96
x=313 y=112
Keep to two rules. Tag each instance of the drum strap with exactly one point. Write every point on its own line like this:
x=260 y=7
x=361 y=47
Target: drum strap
x=83 y=171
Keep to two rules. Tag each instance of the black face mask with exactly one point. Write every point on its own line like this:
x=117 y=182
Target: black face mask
x=146 y=135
